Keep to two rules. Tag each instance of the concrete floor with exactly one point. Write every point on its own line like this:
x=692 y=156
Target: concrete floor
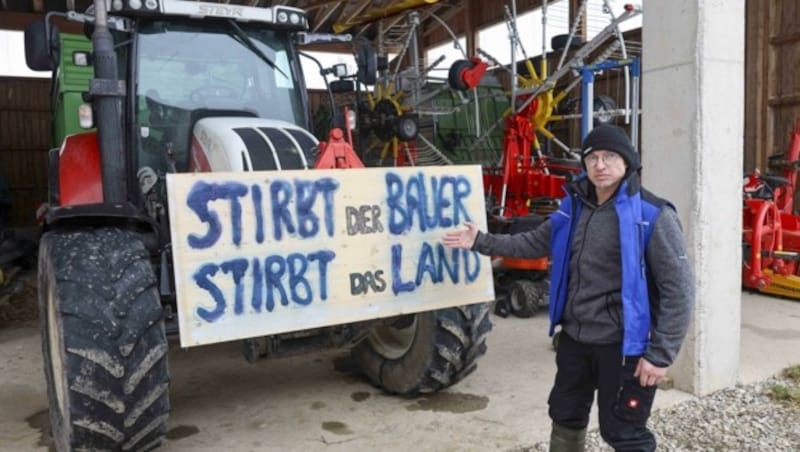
x=318 y=402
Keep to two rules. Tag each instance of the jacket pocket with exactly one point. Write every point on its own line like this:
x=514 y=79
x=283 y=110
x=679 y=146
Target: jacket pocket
x=614 y=308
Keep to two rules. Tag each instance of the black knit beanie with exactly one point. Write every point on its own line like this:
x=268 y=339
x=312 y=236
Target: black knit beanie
x=610 y=138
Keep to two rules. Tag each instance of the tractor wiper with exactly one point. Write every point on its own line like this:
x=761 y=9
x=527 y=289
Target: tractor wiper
x=247 y=41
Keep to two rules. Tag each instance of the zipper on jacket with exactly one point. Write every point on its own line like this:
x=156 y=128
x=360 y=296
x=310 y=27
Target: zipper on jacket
x=565 y=262
x=578 y=271
x=642 y=226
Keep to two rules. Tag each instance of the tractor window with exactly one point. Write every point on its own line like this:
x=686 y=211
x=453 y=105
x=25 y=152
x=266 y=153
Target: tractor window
x=186 y=66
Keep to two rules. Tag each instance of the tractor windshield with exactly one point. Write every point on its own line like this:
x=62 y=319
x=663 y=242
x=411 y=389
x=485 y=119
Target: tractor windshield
x=189 y=68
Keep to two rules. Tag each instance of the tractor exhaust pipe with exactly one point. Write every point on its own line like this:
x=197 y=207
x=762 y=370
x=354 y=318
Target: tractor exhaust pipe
x=107 y=92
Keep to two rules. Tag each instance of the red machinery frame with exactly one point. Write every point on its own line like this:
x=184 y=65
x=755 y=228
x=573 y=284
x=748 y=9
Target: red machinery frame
x=524 y=184
x=521 y=178
x=771 y=229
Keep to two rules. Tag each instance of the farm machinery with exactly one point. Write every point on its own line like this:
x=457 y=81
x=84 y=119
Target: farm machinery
x=527 y=183
x=205 y=88
x=771 y=226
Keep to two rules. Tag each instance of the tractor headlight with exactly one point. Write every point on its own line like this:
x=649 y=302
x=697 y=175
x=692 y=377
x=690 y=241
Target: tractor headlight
x=352 y=122
x=140 y=6
x=80 y=58
x=293 y=19
x=85 y=119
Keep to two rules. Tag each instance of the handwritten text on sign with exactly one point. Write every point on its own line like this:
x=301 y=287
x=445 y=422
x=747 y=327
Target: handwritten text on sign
x=269 y=252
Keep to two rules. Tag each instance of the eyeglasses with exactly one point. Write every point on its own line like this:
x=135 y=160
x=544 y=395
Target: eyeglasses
x=608 y=158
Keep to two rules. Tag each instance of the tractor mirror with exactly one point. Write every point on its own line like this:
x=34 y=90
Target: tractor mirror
x=367 y=65
x=342 y=86
x=41 y=47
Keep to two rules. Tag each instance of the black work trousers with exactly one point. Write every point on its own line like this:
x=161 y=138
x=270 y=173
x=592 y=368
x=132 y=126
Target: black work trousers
x=623 y=404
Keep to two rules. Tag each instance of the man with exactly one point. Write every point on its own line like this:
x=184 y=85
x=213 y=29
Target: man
x=621 y=289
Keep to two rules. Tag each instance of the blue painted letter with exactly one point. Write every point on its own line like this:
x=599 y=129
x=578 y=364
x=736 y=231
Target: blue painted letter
x=201 y=278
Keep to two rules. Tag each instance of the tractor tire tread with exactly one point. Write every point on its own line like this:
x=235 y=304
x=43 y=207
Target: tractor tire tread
x=446 y=348
x=114 y=358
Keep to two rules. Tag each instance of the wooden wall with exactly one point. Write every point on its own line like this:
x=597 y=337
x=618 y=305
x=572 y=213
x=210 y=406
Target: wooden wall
x=24 y=140
x=772 y=78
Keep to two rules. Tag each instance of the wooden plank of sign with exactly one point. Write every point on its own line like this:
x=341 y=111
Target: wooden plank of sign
x=263 y=253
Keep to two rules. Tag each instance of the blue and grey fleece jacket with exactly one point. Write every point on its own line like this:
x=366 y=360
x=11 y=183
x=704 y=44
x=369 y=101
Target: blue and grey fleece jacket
x=593 y=309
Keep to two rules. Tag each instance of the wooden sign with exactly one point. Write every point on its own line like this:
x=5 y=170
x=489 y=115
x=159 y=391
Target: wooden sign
x=261 y=253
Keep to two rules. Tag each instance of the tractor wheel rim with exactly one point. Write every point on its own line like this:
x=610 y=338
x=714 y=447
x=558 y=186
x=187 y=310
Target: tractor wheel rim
x=516 y=300
x=391 y=342
x=54 y=340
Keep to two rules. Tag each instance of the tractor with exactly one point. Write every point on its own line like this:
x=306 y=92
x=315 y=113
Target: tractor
x=183 y=87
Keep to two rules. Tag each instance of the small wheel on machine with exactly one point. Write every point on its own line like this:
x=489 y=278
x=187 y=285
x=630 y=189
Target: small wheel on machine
x=526 y=297
x=454 y=74
x=604 y=107
x=407 y=127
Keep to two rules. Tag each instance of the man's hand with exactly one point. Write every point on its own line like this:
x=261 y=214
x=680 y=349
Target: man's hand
x=649 y=374
x=461 y=239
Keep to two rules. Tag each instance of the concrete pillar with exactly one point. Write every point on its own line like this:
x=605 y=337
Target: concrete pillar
x=692 y=134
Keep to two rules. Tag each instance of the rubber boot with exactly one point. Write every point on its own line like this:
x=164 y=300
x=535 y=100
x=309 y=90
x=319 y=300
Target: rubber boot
x=563 y=439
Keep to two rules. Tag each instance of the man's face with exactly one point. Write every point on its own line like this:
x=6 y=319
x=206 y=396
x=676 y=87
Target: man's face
x=605 y=169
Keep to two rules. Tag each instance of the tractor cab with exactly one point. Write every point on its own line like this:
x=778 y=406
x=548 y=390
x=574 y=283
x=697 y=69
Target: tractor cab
x=186 y=71
x=203 y=87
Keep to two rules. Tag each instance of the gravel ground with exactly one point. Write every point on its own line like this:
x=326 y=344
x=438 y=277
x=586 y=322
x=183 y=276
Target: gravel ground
x=743 y=418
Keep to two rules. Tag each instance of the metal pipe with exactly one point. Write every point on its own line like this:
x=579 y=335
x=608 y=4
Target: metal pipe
x=625 y=70
x=415 y=93
x=451 y=33
x=544 y=34
x=105 y=90
x=636 y=69
x=571 y=35
x=513 y=35
x=587 y=104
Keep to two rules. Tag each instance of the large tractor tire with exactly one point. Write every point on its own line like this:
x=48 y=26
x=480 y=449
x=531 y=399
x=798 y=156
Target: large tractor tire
x=103 y=340
x=425 y=352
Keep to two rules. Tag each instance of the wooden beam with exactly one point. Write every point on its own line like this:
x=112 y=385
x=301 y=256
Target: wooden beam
x=325 y=14
x=789 y=38
x=756 y=51
x=352 y=15
x=18 y=21
x=320 y=4
x=784 y=100
x=449 y=14
x=389 y=24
